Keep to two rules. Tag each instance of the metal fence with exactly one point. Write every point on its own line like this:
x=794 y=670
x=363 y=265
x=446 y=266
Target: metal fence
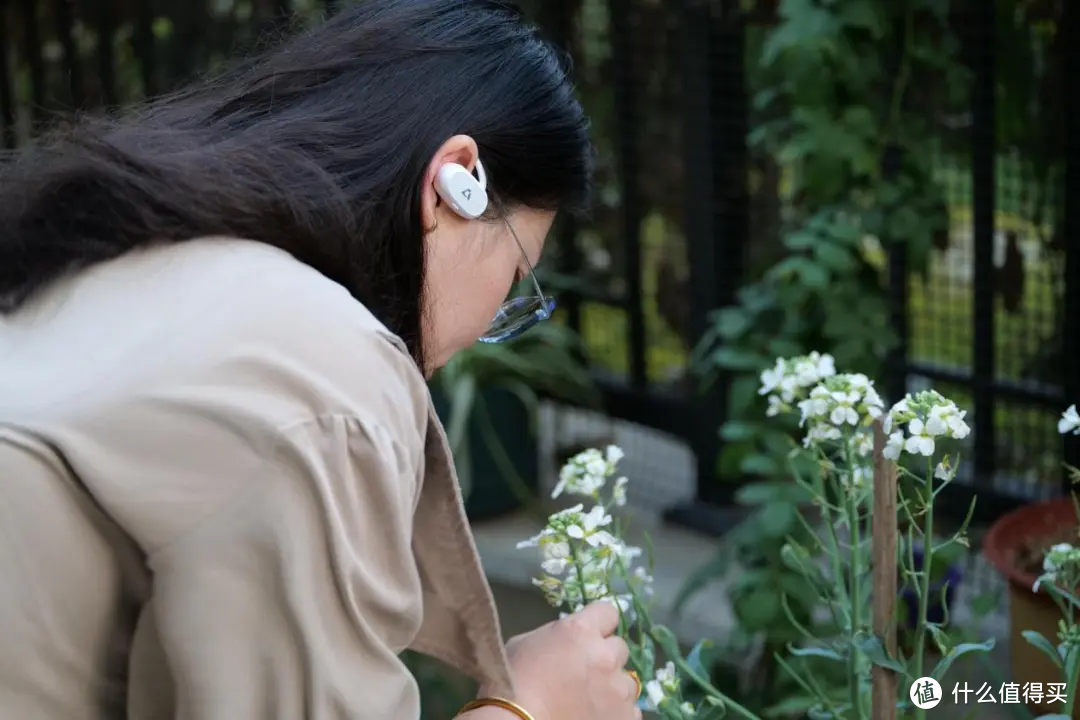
x=667 y=86
x=995 y=321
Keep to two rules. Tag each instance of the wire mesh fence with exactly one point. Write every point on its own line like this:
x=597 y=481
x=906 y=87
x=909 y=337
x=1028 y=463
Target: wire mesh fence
x=683 y=203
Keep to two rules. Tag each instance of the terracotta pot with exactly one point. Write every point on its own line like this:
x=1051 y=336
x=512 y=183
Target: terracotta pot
x=1028 y=610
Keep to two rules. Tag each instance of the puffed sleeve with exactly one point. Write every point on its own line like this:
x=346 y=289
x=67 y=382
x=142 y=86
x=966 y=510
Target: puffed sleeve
x=294 y=600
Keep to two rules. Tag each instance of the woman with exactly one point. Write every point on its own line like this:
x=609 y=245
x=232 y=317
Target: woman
x=225 y=492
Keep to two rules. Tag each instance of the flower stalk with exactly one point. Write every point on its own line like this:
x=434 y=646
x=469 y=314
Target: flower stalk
x=585 y=558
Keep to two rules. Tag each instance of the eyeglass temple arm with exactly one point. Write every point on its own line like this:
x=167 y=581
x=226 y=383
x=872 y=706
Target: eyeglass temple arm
x=532 y=270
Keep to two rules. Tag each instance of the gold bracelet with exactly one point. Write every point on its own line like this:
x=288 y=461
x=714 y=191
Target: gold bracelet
x=497 y=702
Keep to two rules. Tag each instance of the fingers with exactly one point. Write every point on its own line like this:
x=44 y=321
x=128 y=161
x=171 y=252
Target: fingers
x=600 y=616
x=614 y=652
x=626 y=689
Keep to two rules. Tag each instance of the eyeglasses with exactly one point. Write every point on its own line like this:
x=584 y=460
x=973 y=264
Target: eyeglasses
x=518 y=314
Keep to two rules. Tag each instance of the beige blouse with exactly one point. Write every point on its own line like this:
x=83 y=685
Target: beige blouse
x=224 y=494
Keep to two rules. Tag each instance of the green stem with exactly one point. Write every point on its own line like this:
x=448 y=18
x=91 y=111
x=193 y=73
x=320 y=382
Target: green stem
x=1069 y=611
x=834 y=552
x=708 y=687
x=645 y=622
x=924 y=577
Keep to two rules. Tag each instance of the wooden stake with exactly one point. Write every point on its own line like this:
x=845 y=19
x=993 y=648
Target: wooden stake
x=884 y=549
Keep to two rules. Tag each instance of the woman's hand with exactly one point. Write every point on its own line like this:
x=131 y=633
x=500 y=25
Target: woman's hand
x=574 y=668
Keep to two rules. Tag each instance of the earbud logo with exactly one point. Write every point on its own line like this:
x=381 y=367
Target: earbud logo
x=467 y=194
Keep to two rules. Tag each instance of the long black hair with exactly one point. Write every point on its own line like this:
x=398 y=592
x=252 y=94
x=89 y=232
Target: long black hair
x=318 y=146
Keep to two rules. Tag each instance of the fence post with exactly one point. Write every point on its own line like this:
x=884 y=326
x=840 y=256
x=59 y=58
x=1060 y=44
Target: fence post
x=717 y=258
x=627 y=151
x=716 y=116
x=883 y=530
x=983 y=190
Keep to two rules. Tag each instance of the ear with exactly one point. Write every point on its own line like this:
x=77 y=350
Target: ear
x=460 y=149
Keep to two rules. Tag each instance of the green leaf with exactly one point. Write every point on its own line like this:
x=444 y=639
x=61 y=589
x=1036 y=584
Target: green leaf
x=803 y=270
x=957 y=652
x=785 y=347
x=666 y=640
x=875 y=652
x=735 y=358
x=795 y=587
x=732 y=322
x=750 y=580
x=801 y=240
x=865 y=15
x=779 y=444
x=743 y=396
x=1037 y=640
x=816 y=652
x=759 y=493
x=777 y=519
x=694 y=659
x=797 y=705
x=759 y=464
x=837 y=258
x=710 y=709
x=758 y=609
x=739 y=431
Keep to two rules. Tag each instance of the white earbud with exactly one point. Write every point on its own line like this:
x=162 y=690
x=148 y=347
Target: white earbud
x=465 y=194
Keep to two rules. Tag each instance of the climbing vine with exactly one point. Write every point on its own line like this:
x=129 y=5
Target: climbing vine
x=850 y=99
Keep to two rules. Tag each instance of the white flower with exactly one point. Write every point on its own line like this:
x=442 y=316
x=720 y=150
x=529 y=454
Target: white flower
x=928 y=417
x=943 y=472
x=555 y=566
x=666 y=675
x=859 y=477
x=618 y=492
x=947 y=419
x=817 y=405
x=894 y=445
x=776 y=406
x=643 y=580
x=838 y=407
x=1069 y=422
x=771 y=378
x=688 y=709
x=587 y=472
x=1058 y=556
x=1060 y=559
x=582 y=557
x=821 y=433
x=788 y=379
x=873 y=402
x=826 y=365
x=654 y=695
x=920 y=442
x=844 y=411
x=863 y=444
x=556 y=555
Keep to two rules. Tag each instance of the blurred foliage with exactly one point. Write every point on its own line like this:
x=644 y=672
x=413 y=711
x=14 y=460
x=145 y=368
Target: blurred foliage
x=842 y=99
x=855 y=99
x=544 y=362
